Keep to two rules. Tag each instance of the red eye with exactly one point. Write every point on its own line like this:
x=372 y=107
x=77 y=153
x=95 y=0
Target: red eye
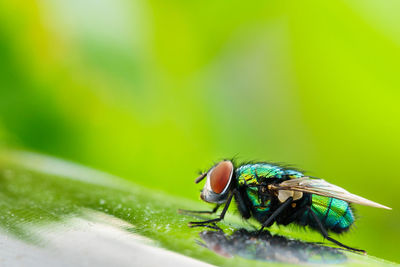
x=220 y=176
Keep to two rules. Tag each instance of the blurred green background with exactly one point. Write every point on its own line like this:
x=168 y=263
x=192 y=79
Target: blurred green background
x=154 y=91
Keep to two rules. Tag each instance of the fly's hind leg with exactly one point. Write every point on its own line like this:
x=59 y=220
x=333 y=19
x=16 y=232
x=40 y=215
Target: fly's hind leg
x=326 y=236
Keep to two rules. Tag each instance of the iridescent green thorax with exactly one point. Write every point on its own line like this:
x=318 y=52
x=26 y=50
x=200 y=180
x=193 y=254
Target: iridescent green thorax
x=334 y=213
x=252 y=175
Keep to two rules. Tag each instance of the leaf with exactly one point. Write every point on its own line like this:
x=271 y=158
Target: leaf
x=53 y=211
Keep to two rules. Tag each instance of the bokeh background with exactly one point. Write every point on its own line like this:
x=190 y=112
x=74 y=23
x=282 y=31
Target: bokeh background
x=155 y=91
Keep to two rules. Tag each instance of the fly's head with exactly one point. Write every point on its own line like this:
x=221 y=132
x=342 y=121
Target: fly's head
x=218 y=181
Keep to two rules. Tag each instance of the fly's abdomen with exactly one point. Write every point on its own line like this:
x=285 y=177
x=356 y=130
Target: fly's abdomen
x=336 y=215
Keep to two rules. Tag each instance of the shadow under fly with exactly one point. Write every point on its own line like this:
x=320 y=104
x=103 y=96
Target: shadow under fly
x=267 y=247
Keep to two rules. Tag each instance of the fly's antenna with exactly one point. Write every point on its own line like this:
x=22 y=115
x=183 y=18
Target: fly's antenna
x=201 y=177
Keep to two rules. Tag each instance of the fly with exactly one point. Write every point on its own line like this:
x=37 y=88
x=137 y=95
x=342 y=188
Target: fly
x=273 y=194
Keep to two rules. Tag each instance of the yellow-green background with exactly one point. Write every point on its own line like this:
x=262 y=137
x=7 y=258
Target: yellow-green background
x=154 y=91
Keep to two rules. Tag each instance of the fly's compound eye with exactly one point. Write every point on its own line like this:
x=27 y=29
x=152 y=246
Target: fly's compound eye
x=218 y=180
x=219 y=177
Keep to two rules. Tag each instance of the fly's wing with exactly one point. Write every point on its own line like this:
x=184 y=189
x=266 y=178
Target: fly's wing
x=323 y=188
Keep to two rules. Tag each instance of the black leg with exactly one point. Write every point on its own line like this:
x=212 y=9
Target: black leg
x=325 y=233
x=276 y=213
x=214 y=210
x=221 y=216
x=241 y=204
x=213 y=226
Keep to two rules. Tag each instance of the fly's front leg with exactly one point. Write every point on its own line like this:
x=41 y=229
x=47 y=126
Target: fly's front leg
x=325 y=233
x=221 y=216
x=214 y=210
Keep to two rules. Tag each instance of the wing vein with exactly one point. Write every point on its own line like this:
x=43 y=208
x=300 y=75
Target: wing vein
x=323 y=188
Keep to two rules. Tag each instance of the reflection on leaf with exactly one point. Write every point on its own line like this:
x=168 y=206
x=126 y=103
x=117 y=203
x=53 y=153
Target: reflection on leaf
x=267 y=247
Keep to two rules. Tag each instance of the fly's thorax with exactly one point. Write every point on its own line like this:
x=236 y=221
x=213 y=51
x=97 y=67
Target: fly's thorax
x=260 y=201
x=259 y=173
x=254 y=173
x=218 y=182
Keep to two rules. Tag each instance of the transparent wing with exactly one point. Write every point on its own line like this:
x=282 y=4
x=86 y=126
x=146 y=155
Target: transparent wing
x=323 y=188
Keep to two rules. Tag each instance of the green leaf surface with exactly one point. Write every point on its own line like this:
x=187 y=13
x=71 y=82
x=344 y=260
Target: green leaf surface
x=57 y=212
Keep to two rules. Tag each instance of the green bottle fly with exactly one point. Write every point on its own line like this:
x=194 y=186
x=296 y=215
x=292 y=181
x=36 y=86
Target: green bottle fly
x=274 y=194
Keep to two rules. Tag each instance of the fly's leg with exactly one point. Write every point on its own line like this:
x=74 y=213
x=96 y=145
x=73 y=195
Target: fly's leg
x=221 y=216
x=214 y=210
x=213 y=226
x=276 y=213
x=325 y=233
x=241 y=204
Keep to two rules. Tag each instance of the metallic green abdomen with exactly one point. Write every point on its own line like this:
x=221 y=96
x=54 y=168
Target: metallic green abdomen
x=335 y=214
